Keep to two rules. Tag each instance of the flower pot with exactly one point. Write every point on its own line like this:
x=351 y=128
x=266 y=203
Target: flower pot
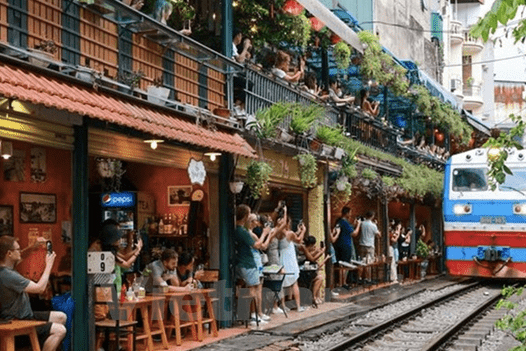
x=338 y=153
x=326 y=150
x=341 y=183
x=284 y=136
x=315 y=145
x=85 y=74
x=222 y=112
x=158 y=95
x=236 y=187
x=39 y=58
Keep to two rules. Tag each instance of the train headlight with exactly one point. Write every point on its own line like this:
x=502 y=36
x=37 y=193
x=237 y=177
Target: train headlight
x=519 y=209
x=462 y=209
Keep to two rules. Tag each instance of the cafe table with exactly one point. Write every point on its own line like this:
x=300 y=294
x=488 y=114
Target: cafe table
x=155 y=304
x=178 y=299
x=9 y=330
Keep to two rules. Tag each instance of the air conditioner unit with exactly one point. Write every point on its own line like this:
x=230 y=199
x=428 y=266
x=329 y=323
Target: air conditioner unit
x=453 y=85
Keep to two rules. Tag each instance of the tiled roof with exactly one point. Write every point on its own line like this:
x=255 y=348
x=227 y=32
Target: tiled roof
x=25 y=85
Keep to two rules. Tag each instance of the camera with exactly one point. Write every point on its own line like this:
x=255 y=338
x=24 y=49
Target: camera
x=300 y=222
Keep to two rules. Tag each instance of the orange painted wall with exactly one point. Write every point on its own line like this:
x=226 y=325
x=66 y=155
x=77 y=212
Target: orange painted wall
x=58 y=163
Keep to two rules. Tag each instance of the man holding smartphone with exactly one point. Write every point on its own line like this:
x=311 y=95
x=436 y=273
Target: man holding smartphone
x=14 y=289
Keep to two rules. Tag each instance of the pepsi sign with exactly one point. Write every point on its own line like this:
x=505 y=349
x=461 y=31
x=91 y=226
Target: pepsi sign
x=124 y=199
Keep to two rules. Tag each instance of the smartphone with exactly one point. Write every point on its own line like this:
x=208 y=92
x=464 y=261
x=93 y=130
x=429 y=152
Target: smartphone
x=322 y=244
x=300 y=222
x=337 y=226
x=49 y=247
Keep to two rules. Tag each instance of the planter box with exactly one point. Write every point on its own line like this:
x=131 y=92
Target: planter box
x=85 y=74
x=284 y=136
x=39 y=58
x=326 y=150
x=158 y=95
x=338 y=153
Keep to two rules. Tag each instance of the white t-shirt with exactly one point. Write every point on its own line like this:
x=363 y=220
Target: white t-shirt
x=279 y=72
x=235 y=53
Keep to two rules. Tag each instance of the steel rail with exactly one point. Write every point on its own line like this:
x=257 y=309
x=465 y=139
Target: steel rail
x=366 y=334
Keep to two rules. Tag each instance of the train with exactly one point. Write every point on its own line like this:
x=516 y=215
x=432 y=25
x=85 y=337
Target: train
x=485 y=229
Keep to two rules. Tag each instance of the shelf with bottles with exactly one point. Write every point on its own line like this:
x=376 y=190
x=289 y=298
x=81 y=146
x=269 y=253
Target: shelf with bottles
x=171 y=225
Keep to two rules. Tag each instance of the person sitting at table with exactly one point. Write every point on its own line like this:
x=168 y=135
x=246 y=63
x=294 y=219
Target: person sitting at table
x=281 y=68
x=14 y=289
x=185 y=271
x=163 y=272
x=312 y=278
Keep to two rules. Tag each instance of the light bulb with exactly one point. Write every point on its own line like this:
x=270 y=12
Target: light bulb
x=153 y=145
x=212 y=157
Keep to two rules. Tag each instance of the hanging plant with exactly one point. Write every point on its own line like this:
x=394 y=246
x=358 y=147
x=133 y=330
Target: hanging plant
x=342 y=188
x=380 y=66
x=342 y=55
x=258 y=174
x=308 y=170
x=422 y=250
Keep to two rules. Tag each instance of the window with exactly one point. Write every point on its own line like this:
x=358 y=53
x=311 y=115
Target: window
x=469 y=179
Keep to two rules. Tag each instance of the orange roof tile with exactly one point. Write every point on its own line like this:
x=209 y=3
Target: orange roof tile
x=37 y=88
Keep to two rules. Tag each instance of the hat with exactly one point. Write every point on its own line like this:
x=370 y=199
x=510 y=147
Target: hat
x=109 y=234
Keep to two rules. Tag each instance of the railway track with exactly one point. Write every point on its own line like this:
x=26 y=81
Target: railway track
x=429 y=326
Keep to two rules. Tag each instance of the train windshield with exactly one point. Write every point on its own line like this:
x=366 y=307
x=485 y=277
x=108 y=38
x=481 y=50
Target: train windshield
x=470 y=179
x=514 y=182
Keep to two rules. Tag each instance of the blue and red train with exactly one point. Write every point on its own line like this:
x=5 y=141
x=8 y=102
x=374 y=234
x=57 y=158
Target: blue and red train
x=485 y=230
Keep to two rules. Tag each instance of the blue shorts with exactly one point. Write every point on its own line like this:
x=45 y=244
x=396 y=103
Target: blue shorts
x=249 y=275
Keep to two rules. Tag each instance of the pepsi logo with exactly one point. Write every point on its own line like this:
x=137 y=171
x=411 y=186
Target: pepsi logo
x=106 y=198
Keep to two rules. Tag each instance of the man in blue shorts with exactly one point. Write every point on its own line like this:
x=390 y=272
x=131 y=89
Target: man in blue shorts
x=14 y=301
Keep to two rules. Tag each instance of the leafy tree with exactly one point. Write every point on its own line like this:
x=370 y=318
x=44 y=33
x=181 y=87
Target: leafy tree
x=502 y=12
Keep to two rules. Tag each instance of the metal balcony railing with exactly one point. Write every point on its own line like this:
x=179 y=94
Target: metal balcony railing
x=472 y=90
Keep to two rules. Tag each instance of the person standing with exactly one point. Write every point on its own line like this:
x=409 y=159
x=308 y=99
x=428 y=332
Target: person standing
x=344 y=245
x=369 y=231
x=14 y=289
x=244 y=55
x=394 y=234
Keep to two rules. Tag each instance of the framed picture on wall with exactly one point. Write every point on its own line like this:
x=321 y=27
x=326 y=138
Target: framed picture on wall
x=6 y=220
x=38 y=208
x=179 y=195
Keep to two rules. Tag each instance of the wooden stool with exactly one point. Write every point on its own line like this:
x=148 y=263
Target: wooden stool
x=8 y=332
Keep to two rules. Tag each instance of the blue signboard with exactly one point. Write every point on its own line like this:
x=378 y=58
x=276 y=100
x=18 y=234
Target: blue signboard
x=124 y=199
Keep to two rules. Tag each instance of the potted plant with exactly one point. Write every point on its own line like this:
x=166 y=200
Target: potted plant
x=422 y=251
x=343 y=188
x=330 y=137
x=157 y=93
x=342 y=55
x=308 y=170
x=270 y=117
x=304 y=117
x=42 y=53
x=131 y=79
x=258 y=173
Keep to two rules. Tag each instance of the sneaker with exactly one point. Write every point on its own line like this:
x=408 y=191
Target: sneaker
x=301 y=309
x=287 y=309
x=334 y=293
x=254 y=323
x=264 y=317
x=277 y=310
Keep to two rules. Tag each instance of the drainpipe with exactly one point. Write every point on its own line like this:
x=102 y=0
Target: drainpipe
x=81 y=329
x=227 y=19
x=226 y=228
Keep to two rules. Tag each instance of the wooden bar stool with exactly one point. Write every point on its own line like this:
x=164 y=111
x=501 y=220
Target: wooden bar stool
x=9 y=330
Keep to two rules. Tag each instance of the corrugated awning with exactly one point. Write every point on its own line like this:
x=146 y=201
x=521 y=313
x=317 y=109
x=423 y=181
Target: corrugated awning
x=25 y=85
x=476 y=123
x=317 y=9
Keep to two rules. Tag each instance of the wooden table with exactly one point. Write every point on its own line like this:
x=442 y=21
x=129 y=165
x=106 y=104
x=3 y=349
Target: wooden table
x=175 y=301
x=8 y=332
x=156 y=303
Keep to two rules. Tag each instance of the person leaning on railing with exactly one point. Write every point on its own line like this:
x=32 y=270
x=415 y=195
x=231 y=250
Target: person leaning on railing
x=281 y=68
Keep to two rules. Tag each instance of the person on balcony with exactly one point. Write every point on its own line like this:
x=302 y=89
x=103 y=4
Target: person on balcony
x=371 y=108
x=237 y=39
x=281 y=68
x=338 y=98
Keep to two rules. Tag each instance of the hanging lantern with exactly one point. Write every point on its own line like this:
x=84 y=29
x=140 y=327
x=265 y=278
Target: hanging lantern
x=316 y=24
x=335 y=39
x=292 y=7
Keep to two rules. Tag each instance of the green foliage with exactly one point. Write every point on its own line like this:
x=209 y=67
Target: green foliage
x=497 y=154
x=514 y=323
x=330 y=135
x=308 y=170
x=253 y=18
x=502 y=11
x=380 y=66
x=258 y=173
x=346 y=193
x=422 y=250
x=304 y=116
x=441 y=114
x=268 y=119
x=342 y=54
x=368 y=173
x=388 y=181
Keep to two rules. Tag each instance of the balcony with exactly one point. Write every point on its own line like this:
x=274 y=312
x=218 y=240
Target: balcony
x=456 y=33
x=472 y=96
x=472 y=46
x=456 y=88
